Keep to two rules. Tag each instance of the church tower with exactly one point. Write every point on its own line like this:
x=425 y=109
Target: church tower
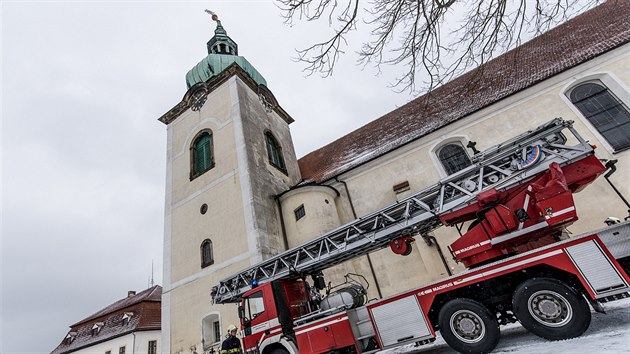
x=229 y=153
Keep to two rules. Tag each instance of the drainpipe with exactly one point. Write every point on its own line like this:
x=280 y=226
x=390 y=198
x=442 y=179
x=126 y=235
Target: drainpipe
x=431 y=240
x=611 y=166
x=354 y=214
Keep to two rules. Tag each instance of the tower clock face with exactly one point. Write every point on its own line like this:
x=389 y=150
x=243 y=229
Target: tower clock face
x=198 y=102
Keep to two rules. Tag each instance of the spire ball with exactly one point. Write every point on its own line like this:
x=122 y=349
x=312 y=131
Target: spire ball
x=215 y=17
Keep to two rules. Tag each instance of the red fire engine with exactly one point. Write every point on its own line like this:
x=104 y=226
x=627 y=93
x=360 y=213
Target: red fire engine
x=519 y=197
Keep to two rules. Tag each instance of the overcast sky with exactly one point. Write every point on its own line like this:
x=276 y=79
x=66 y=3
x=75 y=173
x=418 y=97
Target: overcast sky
x=83 y=155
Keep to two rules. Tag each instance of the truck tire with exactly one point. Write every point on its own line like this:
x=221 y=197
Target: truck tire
x=551 y=309
x=468 y=326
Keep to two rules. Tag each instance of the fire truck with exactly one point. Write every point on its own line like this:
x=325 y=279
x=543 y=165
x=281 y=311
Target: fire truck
x=516 y=197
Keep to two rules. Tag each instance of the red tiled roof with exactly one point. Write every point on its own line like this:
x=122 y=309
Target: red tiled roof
x=146 y=309
x=583 y=38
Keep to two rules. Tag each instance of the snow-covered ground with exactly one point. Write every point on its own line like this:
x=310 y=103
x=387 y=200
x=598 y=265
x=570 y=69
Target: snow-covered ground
x=608 y=334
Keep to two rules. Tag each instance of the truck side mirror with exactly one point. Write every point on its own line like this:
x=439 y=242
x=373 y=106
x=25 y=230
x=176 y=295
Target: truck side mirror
x=241 y=312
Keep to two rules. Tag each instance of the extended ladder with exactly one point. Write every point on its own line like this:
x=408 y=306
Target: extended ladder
x=501 y=167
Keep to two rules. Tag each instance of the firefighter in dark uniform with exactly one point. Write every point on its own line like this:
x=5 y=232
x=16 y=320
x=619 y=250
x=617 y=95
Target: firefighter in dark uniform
x=231 y=344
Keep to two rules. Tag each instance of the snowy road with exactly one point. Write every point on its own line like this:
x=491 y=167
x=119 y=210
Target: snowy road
x=608 y=333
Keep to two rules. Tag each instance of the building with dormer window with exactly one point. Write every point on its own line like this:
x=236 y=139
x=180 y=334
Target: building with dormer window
x=128 y=326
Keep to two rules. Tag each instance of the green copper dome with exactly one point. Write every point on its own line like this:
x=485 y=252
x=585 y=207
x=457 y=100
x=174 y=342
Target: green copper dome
x=222 y=52
x=214 y=64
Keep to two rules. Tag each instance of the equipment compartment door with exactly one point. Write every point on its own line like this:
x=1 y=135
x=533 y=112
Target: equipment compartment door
x=400 y=321
x=596 y=268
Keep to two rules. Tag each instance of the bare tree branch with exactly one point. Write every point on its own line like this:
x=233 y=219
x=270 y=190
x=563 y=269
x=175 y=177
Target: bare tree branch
x=434 y=40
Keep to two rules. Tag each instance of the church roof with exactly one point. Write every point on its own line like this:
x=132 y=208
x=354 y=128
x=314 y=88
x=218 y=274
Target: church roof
x=578 y=40
x=143 y=313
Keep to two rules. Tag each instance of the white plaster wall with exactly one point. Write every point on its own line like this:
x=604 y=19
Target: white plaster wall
x=134 y=343
x=320 y=213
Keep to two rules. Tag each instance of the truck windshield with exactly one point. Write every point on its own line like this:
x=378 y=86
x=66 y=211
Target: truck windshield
x=254 y=305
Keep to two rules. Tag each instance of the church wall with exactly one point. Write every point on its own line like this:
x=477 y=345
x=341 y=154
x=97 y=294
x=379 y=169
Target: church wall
x=187 y=286
x=192 y=301
x=242 y=218
x=320 y=213
x=266 y=180
x=219 y=184
x=223 y=225
x=216 y=116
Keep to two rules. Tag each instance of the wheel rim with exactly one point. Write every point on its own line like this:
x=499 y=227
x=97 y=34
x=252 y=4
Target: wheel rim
x=467 y=326
x=550 y=308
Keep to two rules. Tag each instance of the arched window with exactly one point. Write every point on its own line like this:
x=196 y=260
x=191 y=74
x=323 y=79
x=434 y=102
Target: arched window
x=604 y=111
x=207 y=257
x=274 y=152
x=453 y=158
x=201 y=154
x=210 y=331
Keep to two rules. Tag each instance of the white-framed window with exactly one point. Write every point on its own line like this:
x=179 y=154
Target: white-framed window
x=600 y=101
x=210 y=330
x=217 y=329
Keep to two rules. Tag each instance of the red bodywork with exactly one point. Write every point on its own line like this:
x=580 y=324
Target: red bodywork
x=325 y=335
x=529 y=215
x=283 y=300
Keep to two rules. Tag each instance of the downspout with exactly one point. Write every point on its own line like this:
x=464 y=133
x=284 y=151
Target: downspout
x=354 y=214
x=432 y=240
x=610 y=164
x=133 y=349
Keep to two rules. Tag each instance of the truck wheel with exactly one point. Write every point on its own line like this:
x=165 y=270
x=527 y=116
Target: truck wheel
x=468 y=326
x=551 y=309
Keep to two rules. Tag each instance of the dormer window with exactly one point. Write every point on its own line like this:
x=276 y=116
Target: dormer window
x=126 y=317
x=70 y=337
x=97 y=328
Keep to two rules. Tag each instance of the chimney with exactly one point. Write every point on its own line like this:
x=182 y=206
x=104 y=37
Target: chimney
x=131 y=293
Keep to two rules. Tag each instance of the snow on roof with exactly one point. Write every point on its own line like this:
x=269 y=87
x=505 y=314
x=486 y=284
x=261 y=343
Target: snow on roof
x=583 y=38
